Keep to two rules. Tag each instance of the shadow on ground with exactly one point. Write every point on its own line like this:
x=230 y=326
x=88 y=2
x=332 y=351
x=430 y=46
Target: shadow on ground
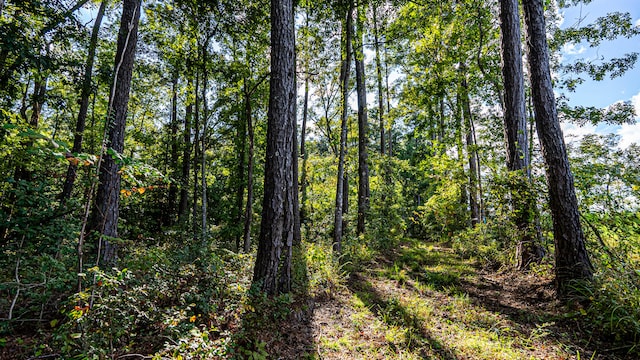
x=417 y=338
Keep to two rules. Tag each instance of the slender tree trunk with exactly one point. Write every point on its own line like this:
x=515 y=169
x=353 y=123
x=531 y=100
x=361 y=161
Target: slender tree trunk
x=272 y=272
x=474 y=166
x=106 y=210
x=241 y=144
x=196 y=157
x=248 y=217
x=170 y=212
x=203 y=153
x=303 y=131
x=183 y=207
x=376 y=42
x=363 y=156
x=303 y=152
x=344 y=87
x=84 y=104
x=464 y=196
x=388 y=98
x=572 y=260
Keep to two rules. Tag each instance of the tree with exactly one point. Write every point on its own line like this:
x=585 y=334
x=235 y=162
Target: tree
x=376 y=44
x=344 y=90
x=84 y=103
x=106 y=210
x=572 y=260
x=361 y=88
x=272 y=272
x=515 y=130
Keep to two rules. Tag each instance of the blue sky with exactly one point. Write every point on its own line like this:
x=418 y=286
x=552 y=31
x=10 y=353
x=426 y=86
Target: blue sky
x=609 y=91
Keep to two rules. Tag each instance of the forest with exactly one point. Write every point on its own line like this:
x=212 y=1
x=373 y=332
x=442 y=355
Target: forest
x=370 y=179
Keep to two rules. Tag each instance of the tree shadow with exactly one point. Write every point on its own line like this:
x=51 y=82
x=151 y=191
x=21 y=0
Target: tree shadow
x=393 y=313
x=527 y=300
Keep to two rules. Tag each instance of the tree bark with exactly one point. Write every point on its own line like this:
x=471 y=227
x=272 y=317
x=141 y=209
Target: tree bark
x=572 y=260
x=303 y=131
x=344 y=87
x=183 y=207
x=376 y=42
x=241 y=145
x=106 y=210
x=203 y=152
x=272 y=272
x=84 y=104
x=196 y=157
x=169 y=214
x=363 y=155
x=248 y=217
x=515 y=132
x=474 y=166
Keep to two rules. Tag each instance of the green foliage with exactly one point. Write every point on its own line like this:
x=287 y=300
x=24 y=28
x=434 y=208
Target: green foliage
x=440 y=210
x=491 y=243
x=613 y=307
x=182 y=308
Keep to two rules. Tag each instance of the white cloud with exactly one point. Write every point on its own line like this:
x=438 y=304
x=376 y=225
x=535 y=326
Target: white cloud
x=573 y=49
x=635 y=100
x=573 y=133
x=638 y=23
x=630 y=133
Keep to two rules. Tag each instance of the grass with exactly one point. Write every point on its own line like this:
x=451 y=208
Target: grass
x=423 y=301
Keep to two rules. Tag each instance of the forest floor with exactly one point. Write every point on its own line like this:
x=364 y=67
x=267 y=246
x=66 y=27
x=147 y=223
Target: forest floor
x=418 y=300
x=423 y=301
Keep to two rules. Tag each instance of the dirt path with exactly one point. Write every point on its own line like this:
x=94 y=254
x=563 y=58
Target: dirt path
x=424 y=302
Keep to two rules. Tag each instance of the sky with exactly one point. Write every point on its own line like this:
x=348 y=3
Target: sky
x=608 y=91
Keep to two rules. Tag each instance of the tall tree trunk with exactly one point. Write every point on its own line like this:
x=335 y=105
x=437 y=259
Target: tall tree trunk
x=474 y=166
x=464 y=196
x=241 y=145
x=84 y=104
x=170 y=212
x=196 y=157
x=515 y=130
x=248 y=216
x=572 y=260
x=303 y=131
x=388 y=97
x=203 y=152
x=106 y=210
x=303 y=152
x=363 y=156
x=376 y=43
x=344 y=87
x=183 y=207
x=272 y=271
